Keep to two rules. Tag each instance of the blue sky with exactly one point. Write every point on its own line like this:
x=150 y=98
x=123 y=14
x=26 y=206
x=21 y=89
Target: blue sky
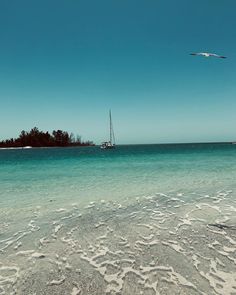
x=63 y=64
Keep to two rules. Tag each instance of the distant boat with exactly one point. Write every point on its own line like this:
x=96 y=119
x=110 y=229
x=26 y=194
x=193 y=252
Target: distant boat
x=111 y=143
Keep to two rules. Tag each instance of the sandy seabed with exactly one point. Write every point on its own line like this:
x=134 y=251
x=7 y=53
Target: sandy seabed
x=172 y=243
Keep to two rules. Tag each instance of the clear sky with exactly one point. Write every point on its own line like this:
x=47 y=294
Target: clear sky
x=63 y=64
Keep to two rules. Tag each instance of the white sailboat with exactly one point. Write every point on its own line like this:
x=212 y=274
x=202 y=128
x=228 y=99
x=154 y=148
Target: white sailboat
x=111 y=143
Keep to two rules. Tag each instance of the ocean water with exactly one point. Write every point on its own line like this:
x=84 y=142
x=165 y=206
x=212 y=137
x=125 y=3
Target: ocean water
x=139 y=219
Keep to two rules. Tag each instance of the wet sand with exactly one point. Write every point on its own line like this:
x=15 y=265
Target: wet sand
x=158 y=244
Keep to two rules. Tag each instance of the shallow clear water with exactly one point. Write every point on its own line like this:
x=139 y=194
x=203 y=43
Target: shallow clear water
x=140 y=219
x=82 y=174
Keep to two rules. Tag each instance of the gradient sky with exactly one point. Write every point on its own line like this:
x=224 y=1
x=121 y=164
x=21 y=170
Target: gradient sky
x=63 y=64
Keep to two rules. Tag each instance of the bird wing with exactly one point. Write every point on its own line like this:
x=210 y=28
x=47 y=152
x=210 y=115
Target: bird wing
x=217 y=55
x=213 y=54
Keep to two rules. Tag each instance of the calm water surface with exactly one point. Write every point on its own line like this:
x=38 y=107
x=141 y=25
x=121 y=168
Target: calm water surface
x=90 y=173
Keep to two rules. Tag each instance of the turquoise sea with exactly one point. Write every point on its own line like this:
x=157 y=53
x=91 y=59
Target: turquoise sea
x=139 y=219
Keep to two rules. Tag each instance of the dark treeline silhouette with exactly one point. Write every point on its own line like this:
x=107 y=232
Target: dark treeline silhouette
x=37 y=138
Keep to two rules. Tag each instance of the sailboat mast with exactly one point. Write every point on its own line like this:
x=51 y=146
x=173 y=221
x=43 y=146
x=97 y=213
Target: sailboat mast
x=110 y=127
x=112 y=136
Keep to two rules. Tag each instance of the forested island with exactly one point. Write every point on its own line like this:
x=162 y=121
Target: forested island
x=37 y=138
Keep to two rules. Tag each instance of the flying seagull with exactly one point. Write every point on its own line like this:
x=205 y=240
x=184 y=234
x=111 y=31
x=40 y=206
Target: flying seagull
x=207 y=54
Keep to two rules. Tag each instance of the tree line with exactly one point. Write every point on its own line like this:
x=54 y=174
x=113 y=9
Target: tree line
x=37 y=138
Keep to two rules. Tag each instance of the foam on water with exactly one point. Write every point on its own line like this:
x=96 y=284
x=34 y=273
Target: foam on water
x=147 y=247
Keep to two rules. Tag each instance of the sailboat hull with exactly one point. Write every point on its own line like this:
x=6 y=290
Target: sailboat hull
x=107 y=145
